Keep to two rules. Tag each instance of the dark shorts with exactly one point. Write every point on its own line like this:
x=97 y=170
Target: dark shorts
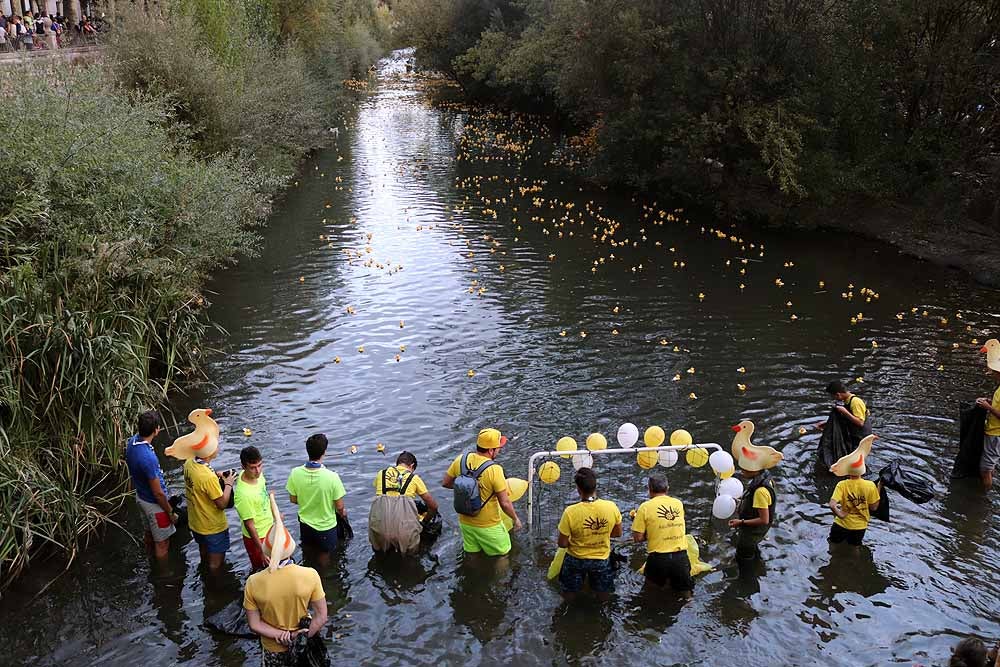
x=839 y=534
x=673 y=567
x=321 y=540
x=576 y=570
x=748 y=541
x=217 y=543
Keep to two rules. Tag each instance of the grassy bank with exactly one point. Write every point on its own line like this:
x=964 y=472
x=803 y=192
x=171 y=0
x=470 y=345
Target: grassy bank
x=123 y=185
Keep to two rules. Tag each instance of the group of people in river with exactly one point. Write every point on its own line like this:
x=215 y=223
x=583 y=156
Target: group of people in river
x=284 y=600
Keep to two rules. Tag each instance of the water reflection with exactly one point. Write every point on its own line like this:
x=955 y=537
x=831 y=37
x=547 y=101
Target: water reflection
x=397 y=578
x=850 y=569
x=480 y=594
x=580 y=629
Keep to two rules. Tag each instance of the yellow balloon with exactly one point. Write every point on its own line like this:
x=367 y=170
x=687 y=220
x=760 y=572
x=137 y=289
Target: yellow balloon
x=516 y=488
x=654 y=436
x=681 y=438
x=727 y=474
x=647 y=460
x=697 y=457
x=566 y=444
x=596 y=441
x=549 y=472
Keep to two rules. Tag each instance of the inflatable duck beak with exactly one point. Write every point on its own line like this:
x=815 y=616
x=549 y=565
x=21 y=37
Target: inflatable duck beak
x=736 y=428
x=208 y=411
x=983 y=349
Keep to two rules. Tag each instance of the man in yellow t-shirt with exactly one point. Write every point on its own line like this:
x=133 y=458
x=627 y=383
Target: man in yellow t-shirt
x=485 y=532
x=404 y=475
x=277 y=599
x=853 y=501
x=206 y=509
x=991 y=434
x=395 y=519
x=853 y=411
x=585 y=531
x=660 y=523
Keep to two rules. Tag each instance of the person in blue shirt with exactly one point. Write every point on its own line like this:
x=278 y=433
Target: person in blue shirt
x=158 y=517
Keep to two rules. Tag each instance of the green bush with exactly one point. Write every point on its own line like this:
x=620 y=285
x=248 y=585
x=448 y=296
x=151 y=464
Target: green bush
x=134 y=180
x=109 y=226
x=261 y=100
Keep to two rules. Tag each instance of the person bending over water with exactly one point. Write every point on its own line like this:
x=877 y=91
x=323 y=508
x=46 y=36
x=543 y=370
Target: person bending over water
x=853 y=410
x=395 y=521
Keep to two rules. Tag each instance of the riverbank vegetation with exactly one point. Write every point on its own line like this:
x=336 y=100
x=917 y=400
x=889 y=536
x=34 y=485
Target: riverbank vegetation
x=777 y=108
x=123 y=185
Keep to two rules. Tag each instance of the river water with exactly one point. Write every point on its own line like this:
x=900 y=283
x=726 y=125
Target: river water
x=414 y=238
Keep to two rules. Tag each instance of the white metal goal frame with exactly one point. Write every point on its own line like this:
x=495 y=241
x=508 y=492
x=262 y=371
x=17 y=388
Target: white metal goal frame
x=714 y=446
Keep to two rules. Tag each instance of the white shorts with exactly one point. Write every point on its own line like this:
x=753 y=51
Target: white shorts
x=155 y=520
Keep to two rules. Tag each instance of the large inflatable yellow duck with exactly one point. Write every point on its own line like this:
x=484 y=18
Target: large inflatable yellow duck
x=854 y=463
x=748 y=456
x=278 y=543
x=992 y=350
x=203 y=442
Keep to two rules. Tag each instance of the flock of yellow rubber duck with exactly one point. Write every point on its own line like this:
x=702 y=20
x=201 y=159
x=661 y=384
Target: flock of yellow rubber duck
x=496 y=141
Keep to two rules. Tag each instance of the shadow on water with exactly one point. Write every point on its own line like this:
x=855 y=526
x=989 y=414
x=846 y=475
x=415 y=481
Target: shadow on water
x=580 y=629
x=480 y=595
x=398 y=577
x=850 y=570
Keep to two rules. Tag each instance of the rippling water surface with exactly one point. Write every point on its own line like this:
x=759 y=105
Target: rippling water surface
x=391 y=225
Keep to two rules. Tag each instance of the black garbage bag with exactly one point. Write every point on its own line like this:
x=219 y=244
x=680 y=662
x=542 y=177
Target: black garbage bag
x=309 y=651
x=179 y=508
x=911 y=485
x=431 y=528
x=344 y=530
x=232 y=620
x=972 y=422
x=618 y=560
x=882 y=511
x=835 y=442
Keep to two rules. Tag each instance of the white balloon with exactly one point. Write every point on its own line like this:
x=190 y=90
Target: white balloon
x=731 y=487
x=721 y=461
x=628 y=434
x=667 y=457
x=583 y=461
x=723 y=507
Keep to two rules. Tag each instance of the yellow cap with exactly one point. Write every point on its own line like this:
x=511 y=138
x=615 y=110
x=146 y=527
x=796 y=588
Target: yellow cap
x=490 y=438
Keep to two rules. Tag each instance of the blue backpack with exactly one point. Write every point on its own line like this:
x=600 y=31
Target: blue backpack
x=468 y=500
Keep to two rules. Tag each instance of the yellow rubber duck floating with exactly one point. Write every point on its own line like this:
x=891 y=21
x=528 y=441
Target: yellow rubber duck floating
x=247 y=432
x=749 y=456
x=992 y=350
x=854 y=463
x=203 y=442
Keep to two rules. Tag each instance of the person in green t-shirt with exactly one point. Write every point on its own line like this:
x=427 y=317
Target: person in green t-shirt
x=319 y=493
x=252 y=504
